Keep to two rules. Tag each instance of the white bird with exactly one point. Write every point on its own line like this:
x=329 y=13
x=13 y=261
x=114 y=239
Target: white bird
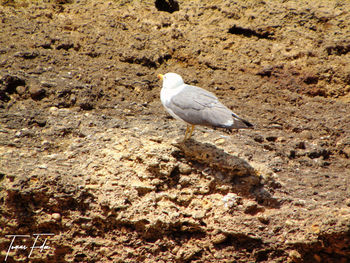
x=196 y=106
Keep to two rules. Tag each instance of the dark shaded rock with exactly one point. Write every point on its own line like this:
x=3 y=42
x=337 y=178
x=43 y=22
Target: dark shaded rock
x=27 y=54
x=319 y=153
x=251 y=207
x=86 y=105
x=9 y=83
x=264 y=219
x=265 y=72
x=292 y=154
x=310 y=79
x=300 y=145
x=38 y=121
x=66 y=46
x=167 y=5
x=339 y=48
x=271 y=138
x=259 y=138
x=247 y=32
x=37 y=93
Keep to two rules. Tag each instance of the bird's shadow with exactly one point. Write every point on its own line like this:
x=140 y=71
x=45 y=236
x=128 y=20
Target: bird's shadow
x=236 y=173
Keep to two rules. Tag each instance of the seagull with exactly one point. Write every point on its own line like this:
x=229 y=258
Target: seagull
x=196 y=106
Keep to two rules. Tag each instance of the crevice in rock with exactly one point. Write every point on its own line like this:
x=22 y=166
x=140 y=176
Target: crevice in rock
x=247 y=32
x=142 y=61
x=145 y=61
x=241 y=241
x=169 y=6
x=65 y=46
x=8 y=85
x=11 y=82
x=338 y=49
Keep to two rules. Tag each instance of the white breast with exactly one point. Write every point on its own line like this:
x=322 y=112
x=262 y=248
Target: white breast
x=166 y=95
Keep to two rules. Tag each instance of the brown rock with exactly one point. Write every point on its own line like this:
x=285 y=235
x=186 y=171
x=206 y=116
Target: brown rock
x=37 y=93
x=218 y=239
x=115 y=187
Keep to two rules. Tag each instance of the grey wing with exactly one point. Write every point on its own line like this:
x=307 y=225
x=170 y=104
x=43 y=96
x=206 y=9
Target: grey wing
x=200 y=107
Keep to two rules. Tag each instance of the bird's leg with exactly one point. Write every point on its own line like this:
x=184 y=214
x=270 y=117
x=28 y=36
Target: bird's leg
x=191 y=131
x=187 y=130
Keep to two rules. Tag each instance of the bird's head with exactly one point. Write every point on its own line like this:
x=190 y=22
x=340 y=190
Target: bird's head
x=171 y=80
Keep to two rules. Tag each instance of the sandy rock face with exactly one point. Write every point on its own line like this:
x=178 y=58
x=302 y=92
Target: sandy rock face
x=89 y=157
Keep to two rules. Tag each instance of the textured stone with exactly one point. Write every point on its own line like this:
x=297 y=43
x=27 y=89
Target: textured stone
x=37 y=92
x=99 y=149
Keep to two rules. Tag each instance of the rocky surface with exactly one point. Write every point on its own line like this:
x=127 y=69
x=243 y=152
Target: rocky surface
x=87 y=152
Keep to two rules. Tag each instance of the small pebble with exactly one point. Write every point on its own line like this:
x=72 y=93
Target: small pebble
x=56 y=216
x=220 y=141
x=21 y=90
x=53 y=110
x=264 y=219
x=230 y=200
x=185 y=168
x=218 y=239
x=42 y=166
x=289 y=223
x=306 y=135
x=251 y=207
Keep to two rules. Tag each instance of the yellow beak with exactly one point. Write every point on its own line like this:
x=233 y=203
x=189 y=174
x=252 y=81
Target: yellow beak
x=160 y=76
